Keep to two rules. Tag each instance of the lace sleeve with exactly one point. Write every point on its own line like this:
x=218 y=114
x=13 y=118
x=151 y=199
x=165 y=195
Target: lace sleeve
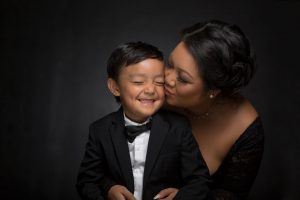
x=234 y=178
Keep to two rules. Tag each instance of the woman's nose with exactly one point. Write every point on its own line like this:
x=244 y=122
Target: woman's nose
x=169 y=77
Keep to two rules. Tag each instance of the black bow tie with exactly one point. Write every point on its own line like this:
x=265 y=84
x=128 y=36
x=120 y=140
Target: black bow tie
x=133 y=131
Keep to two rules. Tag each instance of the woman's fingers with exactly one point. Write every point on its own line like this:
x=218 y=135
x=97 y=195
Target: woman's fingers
x=168 y=193
x=128 y=195
x=119 y=192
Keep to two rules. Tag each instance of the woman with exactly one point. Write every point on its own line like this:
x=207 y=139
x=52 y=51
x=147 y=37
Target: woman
x=207 y=68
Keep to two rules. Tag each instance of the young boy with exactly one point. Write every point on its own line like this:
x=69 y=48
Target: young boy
x=137 y=151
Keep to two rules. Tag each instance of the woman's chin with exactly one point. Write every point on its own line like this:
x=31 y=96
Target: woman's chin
x=171 y=102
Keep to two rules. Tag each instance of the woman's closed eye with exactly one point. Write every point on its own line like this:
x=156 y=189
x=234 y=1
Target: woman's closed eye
x=182 y=80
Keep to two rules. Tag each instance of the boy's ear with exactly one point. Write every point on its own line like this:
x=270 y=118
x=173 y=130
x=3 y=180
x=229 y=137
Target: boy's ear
x=113 y=87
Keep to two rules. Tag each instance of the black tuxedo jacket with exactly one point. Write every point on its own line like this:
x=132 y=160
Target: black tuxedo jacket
x=173 y=159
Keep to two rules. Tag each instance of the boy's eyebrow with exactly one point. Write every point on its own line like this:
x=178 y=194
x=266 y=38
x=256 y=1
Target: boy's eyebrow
x=134 y=75
x=160 y=75
x=144 y=75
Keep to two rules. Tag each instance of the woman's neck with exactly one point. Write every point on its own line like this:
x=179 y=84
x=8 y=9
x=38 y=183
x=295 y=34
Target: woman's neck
x=221 y=107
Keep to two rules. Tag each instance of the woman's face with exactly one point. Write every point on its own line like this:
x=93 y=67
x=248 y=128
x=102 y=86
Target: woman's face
x=184 y=88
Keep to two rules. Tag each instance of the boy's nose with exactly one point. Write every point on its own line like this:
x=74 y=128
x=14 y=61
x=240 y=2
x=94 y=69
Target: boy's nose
x=149 y=89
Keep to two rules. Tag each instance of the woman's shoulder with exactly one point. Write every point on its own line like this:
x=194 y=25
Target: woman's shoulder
x=245 y=117
x=242 y=162
x=250 y=124
x=253 y=134
x=247 y=113
x=245 y=126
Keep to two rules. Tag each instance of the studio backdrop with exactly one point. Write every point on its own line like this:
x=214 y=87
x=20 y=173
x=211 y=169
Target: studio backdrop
x=53 y=83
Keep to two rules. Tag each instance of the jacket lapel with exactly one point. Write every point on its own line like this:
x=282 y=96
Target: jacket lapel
x=121 y=148
x=158 y=133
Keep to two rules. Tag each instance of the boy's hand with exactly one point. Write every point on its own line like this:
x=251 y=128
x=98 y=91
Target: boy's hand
x=166 y=194
x=119 y=192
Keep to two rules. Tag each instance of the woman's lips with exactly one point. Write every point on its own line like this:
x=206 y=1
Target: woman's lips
x=168 y=93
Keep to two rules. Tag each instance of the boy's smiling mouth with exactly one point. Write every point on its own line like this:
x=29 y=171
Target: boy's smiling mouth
x=147 y=101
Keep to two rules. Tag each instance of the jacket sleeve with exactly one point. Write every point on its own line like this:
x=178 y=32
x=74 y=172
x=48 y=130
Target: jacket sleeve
x=92 y=181
x=194 y=172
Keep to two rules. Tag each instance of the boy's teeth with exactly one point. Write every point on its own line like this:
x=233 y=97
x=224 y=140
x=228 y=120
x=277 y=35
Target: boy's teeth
x=146 y=100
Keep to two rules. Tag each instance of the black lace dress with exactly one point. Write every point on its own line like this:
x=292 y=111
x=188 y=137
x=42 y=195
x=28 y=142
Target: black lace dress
x=235 y=176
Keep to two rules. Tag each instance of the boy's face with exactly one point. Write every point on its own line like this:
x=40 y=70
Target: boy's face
x=141 y=88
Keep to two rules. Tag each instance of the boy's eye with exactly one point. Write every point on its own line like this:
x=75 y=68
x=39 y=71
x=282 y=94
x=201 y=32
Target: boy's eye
x=138 y=82
x=160 y=83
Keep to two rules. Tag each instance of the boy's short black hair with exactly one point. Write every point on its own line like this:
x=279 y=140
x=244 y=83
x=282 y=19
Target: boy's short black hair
x=128 y=54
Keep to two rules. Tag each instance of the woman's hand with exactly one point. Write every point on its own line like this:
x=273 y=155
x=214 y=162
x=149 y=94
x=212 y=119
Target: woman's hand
x=119 y=192
x=166 y=194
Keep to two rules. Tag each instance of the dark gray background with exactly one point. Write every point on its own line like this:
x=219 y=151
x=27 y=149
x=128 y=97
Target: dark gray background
x=53 y=83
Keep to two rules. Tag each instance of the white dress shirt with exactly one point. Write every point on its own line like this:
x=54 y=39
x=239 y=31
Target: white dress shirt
x=138 y=151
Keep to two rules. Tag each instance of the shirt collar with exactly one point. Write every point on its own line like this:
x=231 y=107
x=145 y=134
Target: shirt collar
x=130 y=122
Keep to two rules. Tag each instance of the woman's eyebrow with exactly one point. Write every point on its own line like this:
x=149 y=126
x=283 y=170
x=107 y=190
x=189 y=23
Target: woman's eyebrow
x=181 y=69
